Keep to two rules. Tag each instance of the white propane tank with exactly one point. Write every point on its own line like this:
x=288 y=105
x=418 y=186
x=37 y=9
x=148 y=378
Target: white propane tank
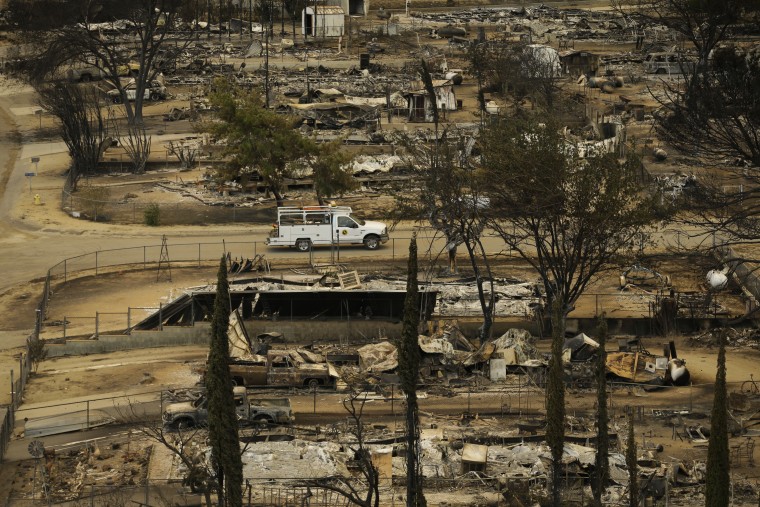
x=716 y=280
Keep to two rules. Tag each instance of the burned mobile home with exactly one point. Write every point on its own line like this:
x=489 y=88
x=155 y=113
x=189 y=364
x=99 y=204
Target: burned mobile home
x=322 y=307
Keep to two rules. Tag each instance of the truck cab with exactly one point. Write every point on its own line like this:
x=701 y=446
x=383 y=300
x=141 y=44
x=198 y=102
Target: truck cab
x=312 y=226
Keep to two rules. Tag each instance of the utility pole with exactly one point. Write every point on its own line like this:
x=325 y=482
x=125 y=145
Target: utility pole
x=266 y=60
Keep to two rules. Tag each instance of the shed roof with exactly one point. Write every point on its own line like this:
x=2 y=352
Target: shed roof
x=418 y=87
x=328 y=9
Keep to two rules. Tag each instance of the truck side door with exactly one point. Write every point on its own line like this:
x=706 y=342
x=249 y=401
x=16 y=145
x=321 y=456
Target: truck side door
x=281 y=371
x=202 y=407
x=347 y=230
x=241 y=405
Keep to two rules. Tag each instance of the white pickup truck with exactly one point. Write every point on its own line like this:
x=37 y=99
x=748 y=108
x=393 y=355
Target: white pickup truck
x=311 y=226
x=249 y=410
x=154 y=91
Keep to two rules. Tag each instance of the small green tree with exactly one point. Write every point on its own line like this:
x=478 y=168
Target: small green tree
x=602 y=464
x=152 y=215
x=332 y=171
x=256 y=137
x=718 y=482
x=631 y=461
x=409 y=358
x=37 y=351
x=222 y=418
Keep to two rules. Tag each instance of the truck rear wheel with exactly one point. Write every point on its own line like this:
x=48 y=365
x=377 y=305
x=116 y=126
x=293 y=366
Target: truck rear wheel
x=154 y=96
x=303 y=245
x=312 y=383
x=372 y=242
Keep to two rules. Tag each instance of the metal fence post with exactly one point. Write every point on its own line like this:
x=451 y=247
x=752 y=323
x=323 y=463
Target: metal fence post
x=88 y=414
x=65 y=271
x=199 y=255
x=96 y=263
x=144 y=256
x=97 y=319
x=13 y=396
x=64 y=327
x=129 y=321
x=160 y=316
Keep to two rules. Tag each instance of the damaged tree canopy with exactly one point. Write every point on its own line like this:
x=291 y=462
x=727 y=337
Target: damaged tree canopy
x=70 y=34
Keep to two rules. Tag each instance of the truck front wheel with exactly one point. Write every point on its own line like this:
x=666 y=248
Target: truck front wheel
x=303 y=245
x=183 y=423
x=372 y=242
x=262 y=420
x=312 y=383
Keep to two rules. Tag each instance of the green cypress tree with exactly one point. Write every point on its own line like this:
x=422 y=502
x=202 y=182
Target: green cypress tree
x=717 y=492
x=602 y=464
x=222 y=418
x=409 y=357
x=555 y=402
x=633 y=465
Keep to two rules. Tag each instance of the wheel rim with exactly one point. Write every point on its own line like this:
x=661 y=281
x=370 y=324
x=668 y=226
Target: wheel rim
x=303 y=246
x=371 y=243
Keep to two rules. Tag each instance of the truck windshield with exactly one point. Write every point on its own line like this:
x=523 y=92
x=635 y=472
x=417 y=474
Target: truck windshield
x=357 y=219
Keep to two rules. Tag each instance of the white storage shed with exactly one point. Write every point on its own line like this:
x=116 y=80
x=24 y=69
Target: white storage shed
x=323 y=21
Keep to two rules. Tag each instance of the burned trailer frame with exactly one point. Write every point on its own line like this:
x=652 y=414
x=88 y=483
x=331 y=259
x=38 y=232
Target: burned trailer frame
x=337 y=305
x=291 y=305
